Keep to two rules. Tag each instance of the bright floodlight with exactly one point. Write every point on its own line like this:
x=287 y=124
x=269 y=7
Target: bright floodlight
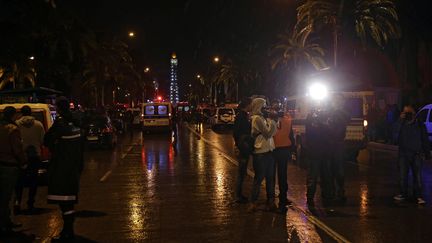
x=318 y=91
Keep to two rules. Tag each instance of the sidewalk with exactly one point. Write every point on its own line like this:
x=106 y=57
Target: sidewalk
x=382 y=146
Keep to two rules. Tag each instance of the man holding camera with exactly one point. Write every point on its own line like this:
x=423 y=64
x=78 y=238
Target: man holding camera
x=284 y=141
x=318 y=154
x=414 y=148
x=339 y=119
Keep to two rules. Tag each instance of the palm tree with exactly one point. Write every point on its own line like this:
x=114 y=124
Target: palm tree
x=295 y=49
x=109 y=61
x=235 y=73
x=376 y=19
x=17 y=73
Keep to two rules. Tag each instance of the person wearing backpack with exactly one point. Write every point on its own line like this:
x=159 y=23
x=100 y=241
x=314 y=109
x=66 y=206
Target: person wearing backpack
x=66 y=146
x=241 y=134
x=414 y=148
x=32 y=134
x=263 y=130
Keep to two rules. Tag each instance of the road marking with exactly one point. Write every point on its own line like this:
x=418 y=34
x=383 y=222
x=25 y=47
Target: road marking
x=127 y=151
x=108 y=173
x=113 y=164
x=318 y=223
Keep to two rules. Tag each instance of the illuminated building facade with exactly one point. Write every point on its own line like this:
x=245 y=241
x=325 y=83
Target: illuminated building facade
x=174 y=92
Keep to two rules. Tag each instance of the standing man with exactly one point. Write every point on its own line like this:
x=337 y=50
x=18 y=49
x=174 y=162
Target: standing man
x=241 y=132
x=284 y=142
x=263 y=130
x=11 y=159
x=65 y=143
x=317 y=151
x=414 y=148
x=32 y=133
x=338 y=122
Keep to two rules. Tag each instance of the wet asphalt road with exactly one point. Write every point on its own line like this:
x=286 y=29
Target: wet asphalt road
x=147 y=190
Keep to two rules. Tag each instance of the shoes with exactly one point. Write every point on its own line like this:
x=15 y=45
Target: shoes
x=282 y=209
x=63 y=237
x=242 y=199
x=399 y=198
x=310 y=202
x=17 y=209
x=252 y=207
x=271 y=207
x=420 y=201
x=13 y=225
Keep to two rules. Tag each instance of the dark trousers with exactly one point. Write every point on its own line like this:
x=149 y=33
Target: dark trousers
x=264 y=167
x=8 y=178
x=318 y=167
x=414 y=162
x=68 y=215
x=241 y=174
x=337 y=170
x=281 y=157
x=28 y=175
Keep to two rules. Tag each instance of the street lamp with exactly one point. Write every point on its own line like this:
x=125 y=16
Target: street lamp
x=131 y=34
x=216 y=59
x=198 y=76
x=147 y=69
x=31 y=57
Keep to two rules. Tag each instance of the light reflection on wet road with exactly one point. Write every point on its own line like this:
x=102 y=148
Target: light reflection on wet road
x=144 y=191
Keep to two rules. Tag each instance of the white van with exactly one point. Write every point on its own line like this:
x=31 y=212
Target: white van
x=157 y=116
x=424 y=115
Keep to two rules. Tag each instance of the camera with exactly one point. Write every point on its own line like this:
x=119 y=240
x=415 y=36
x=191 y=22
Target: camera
x=408 y=116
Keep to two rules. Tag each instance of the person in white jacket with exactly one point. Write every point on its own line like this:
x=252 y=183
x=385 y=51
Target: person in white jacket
x=32 y=133
x=262 y=130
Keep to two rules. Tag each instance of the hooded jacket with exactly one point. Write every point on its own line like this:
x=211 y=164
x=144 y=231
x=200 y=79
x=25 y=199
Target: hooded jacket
x=11 y=149
x=32 y=133
x=264 y=129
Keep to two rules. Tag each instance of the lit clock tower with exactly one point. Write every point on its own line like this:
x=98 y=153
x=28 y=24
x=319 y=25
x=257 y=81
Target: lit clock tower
x=174 y=92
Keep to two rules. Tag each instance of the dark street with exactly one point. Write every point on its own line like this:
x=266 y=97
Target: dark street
x=143 y=191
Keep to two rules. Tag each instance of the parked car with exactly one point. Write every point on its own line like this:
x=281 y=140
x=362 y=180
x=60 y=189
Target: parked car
x=100 y=131
x=137 y=117
x=223 y=117
x=424 y=115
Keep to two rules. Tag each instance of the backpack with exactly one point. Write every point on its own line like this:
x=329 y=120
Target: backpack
x=247 y=143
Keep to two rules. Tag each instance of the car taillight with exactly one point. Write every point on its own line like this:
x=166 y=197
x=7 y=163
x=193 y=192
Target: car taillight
x=45 y=153
x=106 y=130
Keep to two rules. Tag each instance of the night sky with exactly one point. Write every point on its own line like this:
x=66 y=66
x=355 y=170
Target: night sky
x=196 y=30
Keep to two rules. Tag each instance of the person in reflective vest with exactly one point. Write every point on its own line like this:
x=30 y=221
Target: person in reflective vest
x=284 y=143
x=65 y=143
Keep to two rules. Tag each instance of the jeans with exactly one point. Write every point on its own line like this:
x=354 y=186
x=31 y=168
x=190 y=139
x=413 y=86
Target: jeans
x=241 y=174
x=337 y=179
x=413 y=162
x=8 y=178
x=281 y=157
x=264 y=167
x=30 y=175
x=318 y=167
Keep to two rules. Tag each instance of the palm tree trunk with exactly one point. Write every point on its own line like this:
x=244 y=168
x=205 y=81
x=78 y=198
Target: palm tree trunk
x=103 y=95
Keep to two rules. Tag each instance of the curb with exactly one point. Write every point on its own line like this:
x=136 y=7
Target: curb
x=382 y=146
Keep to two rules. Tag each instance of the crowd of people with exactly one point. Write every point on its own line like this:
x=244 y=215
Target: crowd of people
x=20 y=150
x=265 y=133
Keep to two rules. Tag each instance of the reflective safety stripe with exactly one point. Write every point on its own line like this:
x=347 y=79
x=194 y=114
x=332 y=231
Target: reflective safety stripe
x=71 y=136
x=69 y=212
x=61 y=198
